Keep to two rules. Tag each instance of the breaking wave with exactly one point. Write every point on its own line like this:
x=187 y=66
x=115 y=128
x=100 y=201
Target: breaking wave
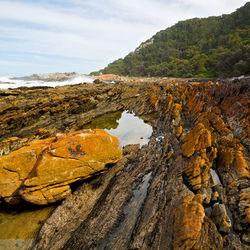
x=9 y=82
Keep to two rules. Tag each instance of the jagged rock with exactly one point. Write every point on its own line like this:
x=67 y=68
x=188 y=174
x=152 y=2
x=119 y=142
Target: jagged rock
x=244 y=204
x=197 y=144
x=11 y=144
x=176 y=110
x=214 y=121
x=189 y=217
x=97 y=81
x=41 y=172
x=215 y=197
x=220 y=218
x=230 y=153
x=53 y=76
x=197 y=139
x=246 y=237
x=44 y=133
x=179 y=131
x=206 y=193
x=218 y=124
x=221 y=192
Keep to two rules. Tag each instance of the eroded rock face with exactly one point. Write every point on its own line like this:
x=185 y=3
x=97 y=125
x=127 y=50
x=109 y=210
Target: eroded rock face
x=200 y=129
x=197 y=145
x=41 y=172
x=189 y=217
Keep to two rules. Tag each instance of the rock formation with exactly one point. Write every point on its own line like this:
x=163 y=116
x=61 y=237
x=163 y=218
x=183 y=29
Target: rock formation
x=53 y=76
x=41 y=171
x=188 y=188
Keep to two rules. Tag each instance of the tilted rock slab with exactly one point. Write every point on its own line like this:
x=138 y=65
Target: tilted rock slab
x=189 y=217
x=41 y=172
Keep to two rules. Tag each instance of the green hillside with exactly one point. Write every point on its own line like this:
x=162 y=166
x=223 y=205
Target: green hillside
x=199 y=47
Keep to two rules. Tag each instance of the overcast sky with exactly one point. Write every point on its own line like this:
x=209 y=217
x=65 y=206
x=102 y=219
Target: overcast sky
x=85 y=35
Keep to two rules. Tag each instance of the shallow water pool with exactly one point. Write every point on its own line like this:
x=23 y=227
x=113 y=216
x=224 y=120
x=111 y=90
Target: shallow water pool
x=19 y=228
x=127 y=127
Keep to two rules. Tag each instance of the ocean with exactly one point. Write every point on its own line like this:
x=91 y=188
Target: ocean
x=16 y=82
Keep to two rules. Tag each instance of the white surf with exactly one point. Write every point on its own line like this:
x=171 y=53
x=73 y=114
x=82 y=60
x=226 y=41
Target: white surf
x=11 y=82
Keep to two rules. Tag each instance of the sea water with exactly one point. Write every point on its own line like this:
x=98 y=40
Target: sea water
x=17 y=82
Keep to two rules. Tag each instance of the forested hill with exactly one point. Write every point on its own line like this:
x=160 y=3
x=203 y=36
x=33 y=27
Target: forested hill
x=199 y=47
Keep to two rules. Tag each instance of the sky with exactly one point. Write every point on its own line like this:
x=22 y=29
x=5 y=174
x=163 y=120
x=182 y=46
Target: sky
x=42 y=36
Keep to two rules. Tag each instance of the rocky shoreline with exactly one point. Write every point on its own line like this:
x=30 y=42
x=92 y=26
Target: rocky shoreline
x=53 y=76
x=162 y=195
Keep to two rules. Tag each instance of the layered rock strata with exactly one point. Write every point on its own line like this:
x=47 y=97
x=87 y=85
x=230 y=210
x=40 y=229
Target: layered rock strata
x=200 y=130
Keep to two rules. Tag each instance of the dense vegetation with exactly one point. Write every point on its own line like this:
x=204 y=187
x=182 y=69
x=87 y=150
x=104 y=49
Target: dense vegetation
x=203 y=47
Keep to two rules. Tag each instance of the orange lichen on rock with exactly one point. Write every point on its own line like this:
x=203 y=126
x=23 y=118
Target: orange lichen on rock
x=202 y=118
x=176 y=109
x=40 y=172
x=46 y=195
x=188 y=219
x=15 y=102
x=154 y=99
x=133 y=89
x=108 y=77
x=179 y=131
x=170 y=153
x=196 y=109
x=218 y=124
x=192 y=100
x=43 y=133
x=246 y=197
x=197 y=139
x=241 y=165
x=197 y=144
x=193 y=172
x=11 y=139
x=225 y=158
x=210 y=83
x=198 y=167
x=169 y=101
x=231 y=156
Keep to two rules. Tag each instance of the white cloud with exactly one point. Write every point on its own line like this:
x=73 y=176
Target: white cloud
x=94 y=30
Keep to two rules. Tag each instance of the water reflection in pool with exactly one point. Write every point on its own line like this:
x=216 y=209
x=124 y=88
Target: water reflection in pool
x=127 y=127
x=107 y=121
x=18 y=228
x=131 y=130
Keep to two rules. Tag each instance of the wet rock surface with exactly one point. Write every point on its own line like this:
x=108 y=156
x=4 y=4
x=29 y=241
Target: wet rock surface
x=198 y=127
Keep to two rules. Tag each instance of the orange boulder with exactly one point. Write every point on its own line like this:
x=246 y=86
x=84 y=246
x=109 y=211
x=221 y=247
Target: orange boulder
x=40 y=172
